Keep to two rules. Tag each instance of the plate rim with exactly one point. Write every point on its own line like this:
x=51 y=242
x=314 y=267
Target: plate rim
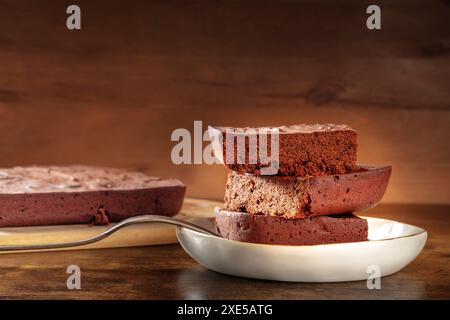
x=421 y=231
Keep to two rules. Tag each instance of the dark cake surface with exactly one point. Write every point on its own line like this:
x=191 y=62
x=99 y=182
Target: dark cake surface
x=246 y=227
x=304 y=150
x=43 y=179
x=39 y=195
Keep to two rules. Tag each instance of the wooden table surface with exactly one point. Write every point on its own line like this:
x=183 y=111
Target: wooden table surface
x=167 y=272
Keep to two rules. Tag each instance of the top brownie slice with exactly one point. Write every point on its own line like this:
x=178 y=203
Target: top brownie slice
x=304 y=150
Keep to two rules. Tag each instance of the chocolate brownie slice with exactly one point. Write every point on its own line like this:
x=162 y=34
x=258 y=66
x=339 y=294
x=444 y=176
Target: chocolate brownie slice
x=295 y=197
x=246 y=227
x=37 y=195
x=304 y=150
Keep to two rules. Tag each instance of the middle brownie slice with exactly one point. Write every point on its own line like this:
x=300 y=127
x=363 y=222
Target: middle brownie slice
x=294 y=197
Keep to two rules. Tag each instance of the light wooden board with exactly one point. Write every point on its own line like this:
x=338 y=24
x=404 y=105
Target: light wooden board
x=132 y=236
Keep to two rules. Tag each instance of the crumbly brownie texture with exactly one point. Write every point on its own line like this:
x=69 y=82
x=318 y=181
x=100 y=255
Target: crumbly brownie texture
x=246 y=227
x=294 y=197
x=37 y=195
x=304 y=150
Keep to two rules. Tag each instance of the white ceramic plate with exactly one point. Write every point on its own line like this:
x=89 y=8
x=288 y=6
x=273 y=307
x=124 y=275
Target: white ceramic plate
x=392 y=246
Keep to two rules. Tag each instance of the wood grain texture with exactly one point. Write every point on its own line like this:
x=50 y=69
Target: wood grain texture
x=112 y=93
x=167 y=272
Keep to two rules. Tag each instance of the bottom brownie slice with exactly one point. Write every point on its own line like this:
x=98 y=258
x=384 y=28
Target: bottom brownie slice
x=246 y=227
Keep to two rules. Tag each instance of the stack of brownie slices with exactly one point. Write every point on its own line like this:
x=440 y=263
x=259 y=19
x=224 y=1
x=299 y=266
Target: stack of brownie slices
x=312 y=197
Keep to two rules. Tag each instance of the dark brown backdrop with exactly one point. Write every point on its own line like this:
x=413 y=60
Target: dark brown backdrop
x=112 y=93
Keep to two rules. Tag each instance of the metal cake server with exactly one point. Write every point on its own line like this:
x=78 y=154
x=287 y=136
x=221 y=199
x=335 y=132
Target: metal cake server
x=110 y=231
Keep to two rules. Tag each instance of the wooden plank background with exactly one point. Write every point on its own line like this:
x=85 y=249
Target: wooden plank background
x=112 y=93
